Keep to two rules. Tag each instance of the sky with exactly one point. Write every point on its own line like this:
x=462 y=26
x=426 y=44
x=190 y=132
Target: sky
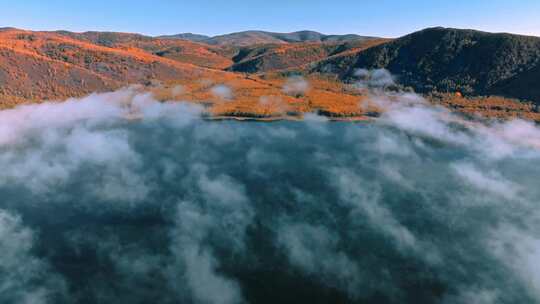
x=384 y=18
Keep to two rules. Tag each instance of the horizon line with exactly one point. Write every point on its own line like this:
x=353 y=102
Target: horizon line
x=260 y=30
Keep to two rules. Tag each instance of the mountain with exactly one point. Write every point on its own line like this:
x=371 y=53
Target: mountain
x=186 y=36
x=273 y=57
x=50 y=65
x=452 y=60
x=249 y=38
x=37 y=66
x=108 y=39
x=177 y=49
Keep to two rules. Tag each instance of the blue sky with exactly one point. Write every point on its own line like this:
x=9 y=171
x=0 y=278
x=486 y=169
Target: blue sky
x=387 y=18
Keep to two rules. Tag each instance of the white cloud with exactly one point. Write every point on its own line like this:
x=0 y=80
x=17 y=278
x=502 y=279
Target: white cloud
x=519 y=250
x=407 y=183
x=315 y=250
x=195 y=262
x=24 y=278
x=364 y=200
x=177 y=91
x=296 y=85
x=425 y=121
x=58 y=139
x=222 y=91
x=206 y=285
x=378 y=78
x=490 y=182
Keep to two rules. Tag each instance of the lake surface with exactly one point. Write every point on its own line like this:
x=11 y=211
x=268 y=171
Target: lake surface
x=174 y=211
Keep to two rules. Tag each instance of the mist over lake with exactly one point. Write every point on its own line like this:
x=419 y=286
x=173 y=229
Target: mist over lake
x=415 y=207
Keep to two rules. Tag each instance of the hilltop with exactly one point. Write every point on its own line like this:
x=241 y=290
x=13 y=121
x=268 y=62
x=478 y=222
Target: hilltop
x=47 y=65
x=452 y=60
x=247 y=38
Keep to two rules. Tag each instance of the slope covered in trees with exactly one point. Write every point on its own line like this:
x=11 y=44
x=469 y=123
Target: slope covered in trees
x=453 y=60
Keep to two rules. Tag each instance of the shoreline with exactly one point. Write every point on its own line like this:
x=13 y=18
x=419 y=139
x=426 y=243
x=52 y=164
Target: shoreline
x=287 y=118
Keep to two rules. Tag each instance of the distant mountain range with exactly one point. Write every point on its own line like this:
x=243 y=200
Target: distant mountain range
x=54 y=65
x=260 y=37
x=187 y=36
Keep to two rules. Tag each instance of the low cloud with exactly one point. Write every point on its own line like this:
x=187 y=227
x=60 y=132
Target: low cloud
x=275 y=104
x=177 y=91
x=296 y=86
x=120 y=198
x=490 y=182
x=315 y=250
x=519 y=250
x=378 y=78
x=222 y=91
x=195 y=264
x=24 y=278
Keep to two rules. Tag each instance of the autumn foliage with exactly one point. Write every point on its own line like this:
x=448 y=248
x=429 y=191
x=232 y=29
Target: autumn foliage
x=39 y=66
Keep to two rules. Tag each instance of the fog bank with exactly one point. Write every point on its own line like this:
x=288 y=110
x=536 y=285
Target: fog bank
x=119 y=198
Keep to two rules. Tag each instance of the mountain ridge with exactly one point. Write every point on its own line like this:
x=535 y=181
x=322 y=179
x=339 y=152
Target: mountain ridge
x=251 y=37
x=451 y=60
x=457 y=68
